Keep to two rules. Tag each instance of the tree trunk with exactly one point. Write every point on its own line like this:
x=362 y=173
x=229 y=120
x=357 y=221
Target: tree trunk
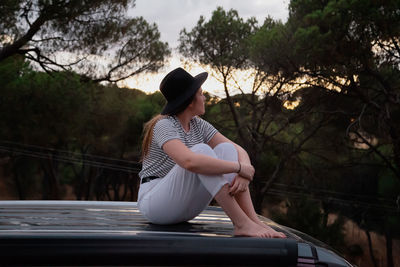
x=233 y=112
x=13 y=48
x=389 y=249
x=273 y=177
x=50 y=180
x=79 y=183
x=20 y=191
x=89 y=182
x=371 y=251
x=258 y=197
x=396 y=147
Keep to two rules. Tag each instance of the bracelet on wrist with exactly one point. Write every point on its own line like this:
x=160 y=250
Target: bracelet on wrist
x=240 y=168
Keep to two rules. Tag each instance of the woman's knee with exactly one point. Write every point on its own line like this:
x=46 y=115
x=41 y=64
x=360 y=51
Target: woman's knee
x=226 y=151
x=225 y=146
x=203 y=149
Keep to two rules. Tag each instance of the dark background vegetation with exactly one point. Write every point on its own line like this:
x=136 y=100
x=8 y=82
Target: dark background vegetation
x=321 y=122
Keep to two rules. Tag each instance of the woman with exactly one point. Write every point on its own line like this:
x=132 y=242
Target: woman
x=187 y=163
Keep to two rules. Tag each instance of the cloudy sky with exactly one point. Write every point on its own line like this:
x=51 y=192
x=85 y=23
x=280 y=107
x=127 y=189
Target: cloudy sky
x=171 y=16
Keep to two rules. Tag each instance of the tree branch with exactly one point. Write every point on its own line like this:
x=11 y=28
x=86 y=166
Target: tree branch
x=385 y=159
x=282 y=161
x=12 y=49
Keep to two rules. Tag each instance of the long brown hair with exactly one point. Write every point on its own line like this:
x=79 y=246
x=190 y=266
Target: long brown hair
x=149 y=126
x=148 y=134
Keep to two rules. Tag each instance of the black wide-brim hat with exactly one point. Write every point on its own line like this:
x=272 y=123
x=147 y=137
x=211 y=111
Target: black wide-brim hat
x=178 y=87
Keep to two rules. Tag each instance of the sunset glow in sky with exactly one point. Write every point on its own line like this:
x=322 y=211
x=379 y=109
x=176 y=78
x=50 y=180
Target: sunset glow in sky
x=173 y=15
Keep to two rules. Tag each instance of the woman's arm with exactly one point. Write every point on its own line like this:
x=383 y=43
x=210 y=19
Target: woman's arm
x=218 y=138
x=240 y=183
x=197 y=163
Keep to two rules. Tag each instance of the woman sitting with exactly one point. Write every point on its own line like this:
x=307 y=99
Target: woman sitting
x=187 y=163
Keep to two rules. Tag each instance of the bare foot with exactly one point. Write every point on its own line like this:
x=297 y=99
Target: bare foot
x=252 y=229
x=275 y=234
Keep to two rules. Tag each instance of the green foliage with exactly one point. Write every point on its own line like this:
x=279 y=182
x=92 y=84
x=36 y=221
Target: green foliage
x=355 y=49
x=389 y=186
x=62 y=113
x=341 y=59
x=95 y=38
x=39 y=102
x=308 y=216
x=271 y=47
x=221 y=42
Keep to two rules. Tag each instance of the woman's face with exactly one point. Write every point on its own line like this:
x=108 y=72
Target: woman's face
x=198 y=103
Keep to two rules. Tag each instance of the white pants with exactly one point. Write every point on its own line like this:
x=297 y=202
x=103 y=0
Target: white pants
x=182 y=195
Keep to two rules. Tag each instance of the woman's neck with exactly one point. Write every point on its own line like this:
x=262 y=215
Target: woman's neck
x=184 y=118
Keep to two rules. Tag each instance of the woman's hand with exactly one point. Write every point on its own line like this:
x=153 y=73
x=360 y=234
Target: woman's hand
x=246 y=171
x=238 y=185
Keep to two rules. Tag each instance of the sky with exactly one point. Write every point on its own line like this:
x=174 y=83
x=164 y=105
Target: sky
x=171 y=16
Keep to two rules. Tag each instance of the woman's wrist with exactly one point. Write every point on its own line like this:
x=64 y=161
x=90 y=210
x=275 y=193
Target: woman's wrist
x=240 y=168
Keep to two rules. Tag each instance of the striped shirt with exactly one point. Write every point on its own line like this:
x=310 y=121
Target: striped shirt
x=157 y=162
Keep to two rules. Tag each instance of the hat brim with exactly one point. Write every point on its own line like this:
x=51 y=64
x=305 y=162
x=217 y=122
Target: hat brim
x=170 y=107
